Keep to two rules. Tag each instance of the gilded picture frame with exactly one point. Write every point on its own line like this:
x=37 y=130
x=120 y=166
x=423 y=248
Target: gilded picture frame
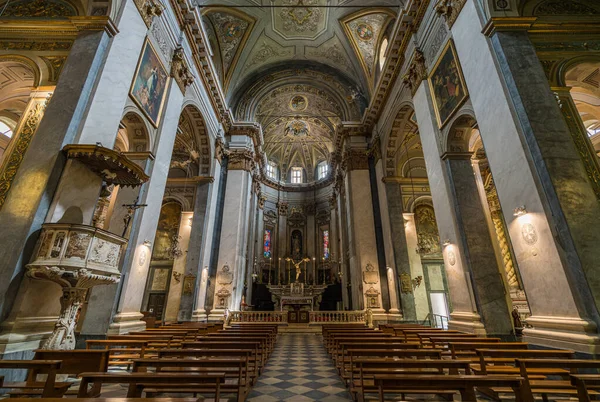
x=150 y=83
x=447 y=85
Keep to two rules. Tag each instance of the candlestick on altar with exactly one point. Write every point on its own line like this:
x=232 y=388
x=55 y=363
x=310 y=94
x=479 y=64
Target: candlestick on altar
x=270 y=259
x=279 y=271
x=314 y=270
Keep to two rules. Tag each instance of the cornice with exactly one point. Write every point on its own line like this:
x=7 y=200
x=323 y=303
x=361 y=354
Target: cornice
x=504 y=24
x=55 y=29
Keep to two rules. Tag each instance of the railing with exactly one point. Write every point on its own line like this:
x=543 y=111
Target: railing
x=315 y=317
x=439 y=321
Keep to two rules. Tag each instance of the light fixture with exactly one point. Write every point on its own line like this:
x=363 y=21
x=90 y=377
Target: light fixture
x=446 y=243
x=190 y=221
x=147 y=243
x=520 y=211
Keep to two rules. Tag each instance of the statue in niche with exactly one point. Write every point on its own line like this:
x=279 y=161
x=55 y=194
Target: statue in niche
x=296 y=245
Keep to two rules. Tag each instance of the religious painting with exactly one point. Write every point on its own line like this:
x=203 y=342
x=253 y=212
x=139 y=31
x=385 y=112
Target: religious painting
x=267 y=244
x=149 y=86
x=298 y=103
x=167 y=231
x=447 y=85
x=296 y=243
x=189 y=283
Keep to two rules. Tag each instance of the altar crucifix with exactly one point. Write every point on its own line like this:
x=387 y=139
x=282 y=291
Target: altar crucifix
x=297 y=266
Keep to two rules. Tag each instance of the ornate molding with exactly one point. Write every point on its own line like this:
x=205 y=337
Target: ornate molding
x=8 y=170
x=180 y=70
x=417 y=72
x=149 y=9
x=241 y=159
x=508 y=24
x=355 y=159
x=261 y=201
x=220 y=149
x=450 y=9
x=283 y=207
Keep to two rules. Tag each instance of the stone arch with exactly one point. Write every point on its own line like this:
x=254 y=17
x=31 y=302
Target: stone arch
x=192 y=149
x=43 y=8
x=133 y=135
x=459 y=132
x=403 y=135
x=544 y=8
x=179 y=199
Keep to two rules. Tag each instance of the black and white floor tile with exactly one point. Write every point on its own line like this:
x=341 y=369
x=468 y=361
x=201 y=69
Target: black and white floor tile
x=299 y=370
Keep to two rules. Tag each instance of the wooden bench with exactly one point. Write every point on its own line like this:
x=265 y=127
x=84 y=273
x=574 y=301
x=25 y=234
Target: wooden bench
x=341 y=353
x=138 y=382
x=584 y=382
x=465 y=384
x=466 y=350
x=364 y=370
x=247 y=355
x=346 y=370
x=49 y=387
x=502 y=361
x=258 y=358
x=553 y=386
x=73 y=362
x=154 y=341
x=237 y=378
x=121 y=351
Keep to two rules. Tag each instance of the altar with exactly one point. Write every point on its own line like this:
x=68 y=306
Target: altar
x=297 y=296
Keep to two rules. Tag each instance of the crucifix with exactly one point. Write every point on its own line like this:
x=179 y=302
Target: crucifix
x=297 y=266
x=131 y=208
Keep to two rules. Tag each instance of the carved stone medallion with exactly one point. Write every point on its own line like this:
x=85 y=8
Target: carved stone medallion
x=224 y=277
x=370 y=275
x=529 y=234
x=451 y=258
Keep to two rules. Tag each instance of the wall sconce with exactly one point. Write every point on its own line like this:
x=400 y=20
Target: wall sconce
x=446 y=243
x=520 y=211
x=190 y=221
x=147 y=243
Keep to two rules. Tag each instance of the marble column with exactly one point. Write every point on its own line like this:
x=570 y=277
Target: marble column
x=27 y=194
x=234 y=233
x=388 y=245
x=535 y=163
x=343 y=245
x=175 y=292
x=416 y=266
x=395 y=212
x=193 y=266
x=464 y=314
x=143 y=230
x=252 y=241
x=365 y=277
x=477 y=245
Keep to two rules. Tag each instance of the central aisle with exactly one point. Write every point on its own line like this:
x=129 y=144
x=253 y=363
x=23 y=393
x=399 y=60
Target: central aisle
x=299 y=370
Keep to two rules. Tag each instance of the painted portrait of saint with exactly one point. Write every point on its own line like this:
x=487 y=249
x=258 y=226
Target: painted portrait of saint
x=150 y=84
x=447 y=85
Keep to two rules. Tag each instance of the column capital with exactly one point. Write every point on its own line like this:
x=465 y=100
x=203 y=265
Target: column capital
x=417 y=72
x=241 y=159
x=149 y=9
x=504 y=24
x=180 y=70
x=449 y=9
x=95 y=24
x=282 y=208
x=355 y=159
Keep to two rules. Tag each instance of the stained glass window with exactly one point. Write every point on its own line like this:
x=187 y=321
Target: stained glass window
x=267 y=243
x=326 y=244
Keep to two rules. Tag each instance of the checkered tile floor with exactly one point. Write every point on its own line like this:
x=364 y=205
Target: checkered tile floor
x=299 y=370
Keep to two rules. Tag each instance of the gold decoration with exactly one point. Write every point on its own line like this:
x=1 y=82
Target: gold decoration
x=149 y=9
x=355 y=159
x=450 y=9
x=180 y=70
x=55 y=65
x=39 y=9
x=372 y=298
x=405 y=283
x=241 y=160
x=189 y=283
x=417 y=72
x=41 y=46
x=11 y=165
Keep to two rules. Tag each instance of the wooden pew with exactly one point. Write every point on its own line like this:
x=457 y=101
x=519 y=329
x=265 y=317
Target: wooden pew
x=354 y=354
x=553 y=386
x=365 y=369
x=502 y=361
x=340 y=354
x=247 y=355
x=465 y=384
x=138 y=382
x=466 y=350
x=49 y=387
x=73 y=362
x=122 y=351
x=154 y=341
x=253 y=347
x=584 y=382
x=235 y=368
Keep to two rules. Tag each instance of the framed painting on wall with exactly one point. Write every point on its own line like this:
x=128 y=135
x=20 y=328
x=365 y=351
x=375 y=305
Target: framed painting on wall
x=149 y=87
x=447 y=85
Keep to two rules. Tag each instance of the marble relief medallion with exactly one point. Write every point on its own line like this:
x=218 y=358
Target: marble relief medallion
x=451 y=258
x=298 y=103
x=529 y=234
x=143 y=257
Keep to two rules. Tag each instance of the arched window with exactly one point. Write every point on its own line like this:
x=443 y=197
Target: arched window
x=272 y=170
x=296 y=175
x=322 y=170
x=382 y=50
x=5 y=130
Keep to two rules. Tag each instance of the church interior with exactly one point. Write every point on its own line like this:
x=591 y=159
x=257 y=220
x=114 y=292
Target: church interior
x=300 y=200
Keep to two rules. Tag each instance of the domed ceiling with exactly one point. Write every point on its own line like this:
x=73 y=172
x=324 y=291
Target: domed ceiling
x=298 y=67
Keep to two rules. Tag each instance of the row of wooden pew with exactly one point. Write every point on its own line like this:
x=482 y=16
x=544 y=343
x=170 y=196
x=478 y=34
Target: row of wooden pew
x=414 y=359
x=184 y=360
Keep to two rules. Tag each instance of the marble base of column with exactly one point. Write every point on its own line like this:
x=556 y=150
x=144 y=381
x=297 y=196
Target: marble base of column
x=199 y=316
x=123 y=323
x=563 y=333
x=466 y=322
x=216 y=315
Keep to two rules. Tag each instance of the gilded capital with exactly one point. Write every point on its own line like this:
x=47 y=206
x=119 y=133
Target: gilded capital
x=149 y=9
x=417 y=72
x=355 y=159
x=449 y=9
x=180 y=70
x=241 y=159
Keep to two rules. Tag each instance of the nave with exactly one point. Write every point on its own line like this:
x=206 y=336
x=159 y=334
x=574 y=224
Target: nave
x=345 y=362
